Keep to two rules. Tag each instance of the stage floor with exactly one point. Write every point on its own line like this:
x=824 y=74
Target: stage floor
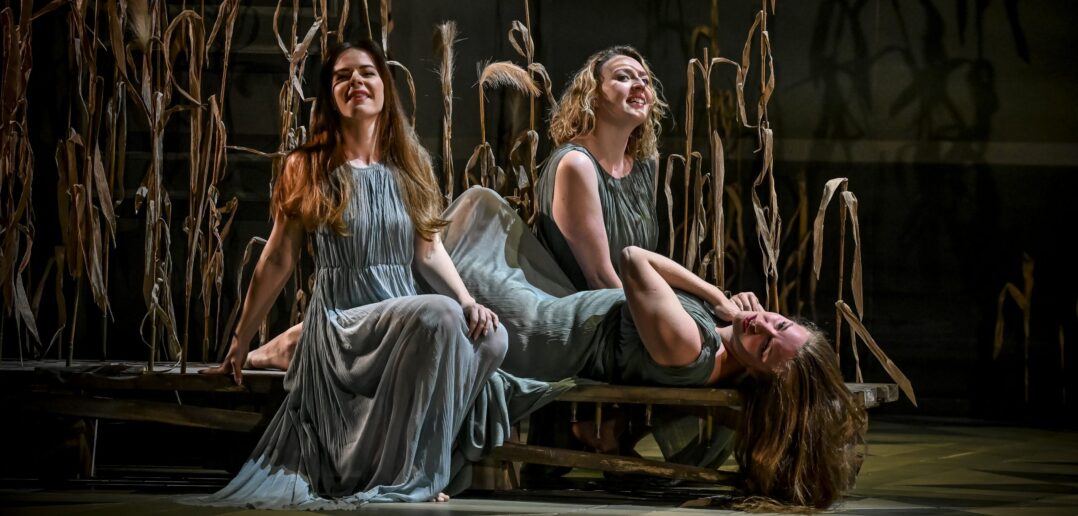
x=922 y=466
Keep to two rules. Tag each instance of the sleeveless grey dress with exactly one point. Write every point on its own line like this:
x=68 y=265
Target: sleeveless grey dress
x=628 y=205
x=388 y=399
x=555 y=331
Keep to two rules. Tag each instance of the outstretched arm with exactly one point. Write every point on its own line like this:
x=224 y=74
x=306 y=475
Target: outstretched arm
x=579 y=215
x=271 y=273
x=676 y=276
x=437 y=268
x=667 y=331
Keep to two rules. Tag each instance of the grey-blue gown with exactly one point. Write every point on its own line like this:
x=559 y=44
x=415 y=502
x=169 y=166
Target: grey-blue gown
x=628 y=205
x=555 y=331
x=388 y=398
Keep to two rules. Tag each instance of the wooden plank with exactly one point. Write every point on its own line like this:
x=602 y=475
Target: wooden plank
x=606 y=393
x=577 y=459
x=168 y=381
x=136 y=410
x=874 y=394
x=867 y=394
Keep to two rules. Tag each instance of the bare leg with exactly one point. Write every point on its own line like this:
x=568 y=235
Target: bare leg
x=668 y=332
x=277 y=353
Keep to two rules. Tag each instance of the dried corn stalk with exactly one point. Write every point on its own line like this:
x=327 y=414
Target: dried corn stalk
x=1024 y=299
x=17 y=171
x=445 y=36
x=892 y=370
x=495 y=75
x=524 y=196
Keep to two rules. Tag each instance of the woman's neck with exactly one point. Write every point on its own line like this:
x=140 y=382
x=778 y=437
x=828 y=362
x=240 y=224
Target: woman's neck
x=609 y=145
x=359 y=141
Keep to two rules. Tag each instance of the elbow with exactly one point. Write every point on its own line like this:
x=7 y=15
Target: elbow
x=630 y=262
x=629 y=255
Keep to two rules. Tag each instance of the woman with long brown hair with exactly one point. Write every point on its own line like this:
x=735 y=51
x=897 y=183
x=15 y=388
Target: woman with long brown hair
x=382 y=380
x=798 y=436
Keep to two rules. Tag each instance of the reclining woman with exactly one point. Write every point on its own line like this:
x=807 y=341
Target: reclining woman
x=377 y=368
x=669 y=327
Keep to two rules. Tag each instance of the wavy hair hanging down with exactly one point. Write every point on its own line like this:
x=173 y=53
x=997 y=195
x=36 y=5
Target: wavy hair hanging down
x=800 y=439
x=575 y=113
x=312 y=186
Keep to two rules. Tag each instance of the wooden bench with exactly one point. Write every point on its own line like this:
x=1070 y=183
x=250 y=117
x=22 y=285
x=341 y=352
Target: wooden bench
x=117 y=391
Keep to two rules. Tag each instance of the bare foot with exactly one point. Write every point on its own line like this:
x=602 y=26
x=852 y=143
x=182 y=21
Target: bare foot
x=442 y=497
x=607 y=440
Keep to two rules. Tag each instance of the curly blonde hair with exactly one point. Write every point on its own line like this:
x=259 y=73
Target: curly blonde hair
x=575 y=113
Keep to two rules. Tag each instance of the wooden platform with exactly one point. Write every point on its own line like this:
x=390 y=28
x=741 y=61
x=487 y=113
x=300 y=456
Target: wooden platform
x=128 y=391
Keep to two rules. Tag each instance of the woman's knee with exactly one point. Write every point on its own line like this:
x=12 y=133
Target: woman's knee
x=441 y=312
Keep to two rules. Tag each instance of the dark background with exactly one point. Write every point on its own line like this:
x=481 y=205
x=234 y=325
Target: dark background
x=955 y=122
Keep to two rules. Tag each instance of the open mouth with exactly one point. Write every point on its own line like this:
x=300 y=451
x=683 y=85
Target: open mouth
x=746 y=323
x=637 y=101
x=358 y=95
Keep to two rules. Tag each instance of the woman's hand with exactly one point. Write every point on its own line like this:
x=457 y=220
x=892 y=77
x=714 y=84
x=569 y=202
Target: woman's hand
x=728 y=308
x=747 y=302
x=233 y=363
x=481 y=320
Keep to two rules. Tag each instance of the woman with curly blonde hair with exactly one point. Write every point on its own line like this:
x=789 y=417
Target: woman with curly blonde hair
x=601 y=177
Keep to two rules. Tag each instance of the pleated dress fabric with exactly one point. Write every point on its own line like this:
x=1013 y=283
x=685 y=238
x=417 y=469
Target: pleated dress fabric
x=628 y=205
x=388 y=399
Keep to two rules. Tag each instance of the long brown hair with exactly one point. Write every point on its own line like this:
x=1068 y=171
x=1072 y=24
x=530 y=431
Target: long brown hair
x=575 y=113
x=313 y=186
x=799 y=445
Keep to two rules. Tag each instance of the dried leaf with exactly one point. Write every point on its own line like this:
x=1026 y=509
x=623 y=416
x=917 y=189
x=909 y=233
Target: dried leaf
x=892 y=370
x=247 y=253
x=385 y=9
x=829 y=190
x=670 y=198
x=525 y=47
x=22 y=308
x=856 y=278
x=410 y=83
x=501 y=74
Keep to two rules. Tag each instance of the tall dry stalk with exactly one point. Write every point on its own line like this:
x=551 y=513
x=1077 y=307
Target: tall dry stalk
x=1024 y=299
x=151 y=92
x=385 y=10
x=84 y=193
x=445 y=36
x=523 y=195
x=829 y=190
x=207 y=163
x=17 y=172
x=500 y=74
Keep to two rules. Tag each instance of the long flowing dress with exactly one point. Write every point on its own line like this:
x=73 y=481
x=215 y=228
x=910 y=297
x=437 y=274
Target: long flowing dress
x=388 y=399
x=556 y=331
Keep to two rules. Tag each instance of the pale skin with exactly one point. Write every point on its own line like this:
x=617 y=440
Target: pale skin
x=358 y=93
x=755 y=340
x=623 y=104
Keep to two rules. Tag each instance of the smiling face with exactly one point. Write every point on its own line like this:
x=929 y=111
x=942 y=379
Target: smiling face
x=626 y=94
x=765 y=341
x=357 y=86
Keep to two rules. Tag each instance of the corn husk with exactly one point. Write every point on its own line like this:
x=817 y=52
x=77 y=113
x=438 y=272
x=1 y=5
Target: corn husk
x=445 y=37
x=892 y=370
x=1024 y=299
